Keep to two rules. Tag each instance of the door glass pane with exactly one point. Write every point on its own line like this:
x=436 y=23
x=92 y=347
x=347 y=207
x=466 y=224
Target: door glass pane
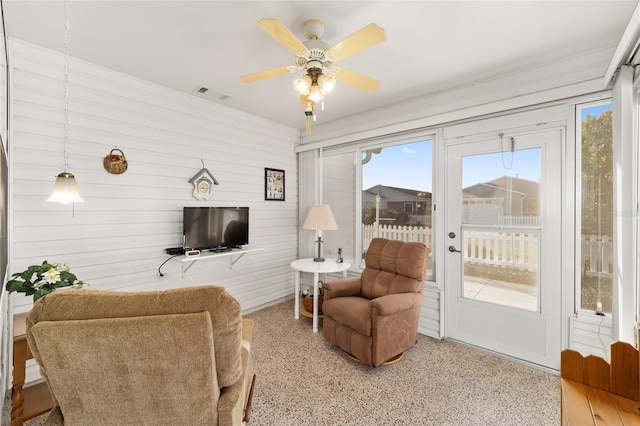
x=596 y=220
x=397 y=195
x=501 y=228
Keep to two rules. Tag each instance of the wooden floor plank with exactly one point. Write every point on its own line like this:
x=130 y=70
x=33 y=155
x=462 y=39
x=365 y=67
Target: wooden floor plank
x=575 y=404
x=628 y=409
x=603 y=407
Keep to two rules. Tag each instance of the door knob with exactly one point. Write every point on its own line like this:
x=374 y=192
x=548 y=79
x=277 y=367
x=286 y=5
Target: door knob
x=453 y=249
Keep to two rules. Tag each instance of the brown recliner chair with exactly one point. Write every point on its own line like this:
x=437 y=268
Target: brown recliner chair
x=180 y=356
x=374 y=318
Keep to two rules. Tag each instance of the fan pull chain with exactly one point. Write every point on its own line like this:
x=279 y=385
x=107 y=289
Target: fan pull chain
x=308 y=111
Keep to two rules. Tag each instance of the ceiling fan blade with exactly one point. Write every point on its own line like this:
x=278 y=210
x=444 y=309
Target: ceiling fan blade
x=362 y=39
x=280 y=32
x=252 y=78
x=357 y=80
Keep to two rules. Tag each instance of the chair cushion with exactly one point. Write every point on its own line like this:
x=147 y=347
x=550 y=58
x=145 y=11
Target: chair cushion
x=353 y=312
x=393 y=267
x=142 y=370
x=97 y=304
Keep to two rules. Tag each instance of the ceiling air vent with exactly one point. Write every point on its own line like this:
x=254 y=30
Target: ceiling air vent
x=211 y=94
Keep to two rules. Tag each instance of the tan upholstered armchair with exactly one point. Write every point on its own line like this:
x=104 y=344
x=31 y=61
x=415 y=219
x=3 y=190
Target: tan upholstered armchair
x=171 y=357
x=374 y=318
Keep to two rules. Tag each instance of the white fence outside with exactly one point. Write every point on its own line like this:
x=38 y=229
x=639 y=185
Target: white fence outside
x=503 y=248
x=527 y=220
x=396 y=232
x=597 y=256
x=518 y=250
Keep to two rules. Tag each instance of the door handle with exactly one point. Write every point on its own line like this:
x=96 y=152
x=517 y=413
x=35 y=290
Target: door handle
x=453 y=249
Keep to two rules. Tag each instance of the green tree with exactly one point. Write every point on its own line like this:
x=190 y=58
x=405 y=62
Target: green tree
x=597 y=174
x=369 y=215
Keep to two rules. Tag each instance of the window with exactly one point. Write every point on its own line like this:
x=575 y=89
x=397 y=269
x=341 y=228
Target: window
x=383 y=190
x=397 y=194
x=595 y=249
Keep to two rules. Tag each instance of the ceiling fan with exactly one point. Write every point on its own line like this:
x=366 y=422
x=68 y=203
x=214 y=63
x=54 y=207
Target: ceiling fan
x=316 y=58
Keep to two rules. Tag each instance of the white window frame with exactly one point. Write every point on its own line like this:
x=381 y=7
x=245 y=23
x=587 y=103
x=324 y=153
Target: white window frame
x=578 y=107
x=358 y=148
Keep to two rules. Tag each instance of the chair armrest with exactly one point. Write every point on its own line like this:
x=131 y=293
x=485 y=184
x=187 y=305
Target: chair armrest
x=232 y=398
x=341 y=288
x=394 y=303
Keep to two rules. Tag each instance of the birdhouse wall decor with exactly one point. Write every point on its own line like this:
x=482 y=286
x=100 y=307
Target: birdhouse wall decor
x=203 y=183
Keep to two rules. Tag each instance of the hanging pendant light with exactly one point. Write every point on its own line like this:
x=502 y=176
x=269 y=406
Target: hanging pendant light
x=65 y=189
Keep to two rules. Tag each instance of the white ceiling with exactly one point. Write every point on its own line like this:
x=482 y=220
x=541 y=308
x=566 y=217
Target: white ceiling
x=431 y=45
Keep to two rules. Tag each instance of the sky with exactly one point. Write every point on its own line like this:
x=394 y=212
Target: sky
x=410 y=165
x=403 y=166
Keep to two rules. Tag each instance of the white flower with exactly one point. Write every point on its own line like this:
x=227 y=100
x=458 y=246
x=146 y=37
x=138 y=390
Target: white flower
x=51 y=276
x=62 y=267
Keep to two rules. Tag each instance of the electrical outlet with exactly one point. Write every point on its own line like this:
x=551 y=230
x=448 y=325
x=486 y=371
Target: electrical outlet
x=330 y=252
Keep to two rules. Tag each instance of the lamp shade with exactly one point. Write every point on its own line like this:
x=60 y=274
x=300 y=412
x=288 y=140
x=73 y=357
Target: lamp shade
x=320 y=218
x=65 y=190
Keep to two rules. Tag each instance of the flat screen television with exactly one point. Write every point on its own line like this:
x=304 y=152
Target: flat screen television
x=215 y=228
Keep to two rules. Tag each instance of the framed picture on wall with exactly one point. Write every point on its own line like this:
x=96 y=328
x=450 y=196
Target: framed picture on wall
x=273 y=184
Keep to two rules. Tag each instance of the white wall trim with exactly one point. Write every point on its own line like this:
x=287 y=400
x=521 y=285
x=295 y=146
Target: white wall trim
x=627 y=47
x=625 y=207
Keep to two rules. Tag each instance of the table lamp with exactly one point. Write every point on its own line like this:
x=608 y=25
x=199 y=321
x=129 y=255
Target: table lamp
x=320 y=218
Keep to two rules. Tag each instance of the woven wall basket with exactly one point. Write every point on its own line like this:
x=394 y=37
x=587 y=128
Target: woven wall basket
x=115 y=163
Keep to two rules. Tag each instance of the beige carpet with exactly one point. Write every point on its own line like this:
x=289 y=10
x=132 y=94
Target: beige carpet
x=302 y=380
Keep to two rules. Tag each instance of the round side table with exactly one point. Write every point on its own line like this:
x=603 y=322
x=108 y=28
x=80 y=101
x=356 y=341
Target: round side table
x=315 y=268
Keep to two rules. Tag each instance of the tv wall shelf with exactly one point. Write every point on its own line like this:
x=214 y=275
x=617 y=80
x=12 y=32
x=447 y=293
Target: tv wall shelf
x=233 y=254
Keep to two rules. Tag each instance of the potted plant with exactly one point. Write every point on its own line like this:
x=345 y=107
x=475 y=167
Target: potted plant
x=40 y=280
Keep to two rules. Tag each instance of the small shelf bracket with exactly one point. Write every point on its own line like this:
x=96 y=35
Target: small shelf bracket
x=233 y=261
x=234 y=257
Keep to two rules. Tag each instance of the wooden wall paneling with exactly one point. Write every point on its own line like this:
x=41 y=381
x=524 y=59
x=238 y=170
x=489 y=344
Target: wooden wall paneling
x=596 y=373
x=116 y=239
x=625 y=365
x=429 y=322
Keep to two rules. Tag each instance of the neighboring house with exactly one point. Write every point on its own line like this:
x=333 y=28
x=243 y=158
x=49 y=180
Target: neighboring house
x=412 y=207
x=505 y=196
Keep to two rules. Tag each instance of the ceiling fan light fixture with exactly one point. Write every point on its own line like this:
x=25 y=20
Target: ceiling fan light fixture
x=326 y=83
x=316 y=57
x=315 y=94
x=303 y=84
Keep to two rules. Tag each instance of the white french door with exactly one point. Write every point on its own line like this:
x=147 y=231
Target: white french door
x=502 y=245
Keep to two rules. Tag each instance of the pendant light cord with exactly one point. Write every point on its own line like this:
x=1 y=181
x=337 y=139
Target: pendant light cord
x=66 y=85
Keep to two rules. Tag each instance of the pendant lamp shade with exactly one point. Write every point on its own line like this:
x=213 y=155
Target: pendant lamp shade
x=65 y=190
